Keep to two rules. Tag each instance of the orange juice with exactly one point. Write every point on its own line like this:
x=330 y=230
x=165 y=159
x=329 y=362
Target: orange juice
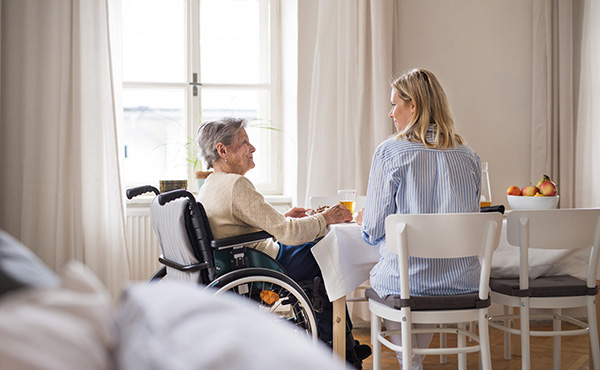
x=350 y=204
x=485 y=204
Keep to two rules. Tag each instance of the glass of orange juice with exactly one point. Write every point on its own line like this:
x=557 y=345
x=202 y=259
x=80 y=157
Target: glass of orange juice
x=348 y=199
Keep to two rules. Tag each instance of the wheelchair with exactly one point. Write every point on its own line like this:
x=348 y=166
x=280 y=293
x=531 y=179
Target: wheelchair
x=189 y=253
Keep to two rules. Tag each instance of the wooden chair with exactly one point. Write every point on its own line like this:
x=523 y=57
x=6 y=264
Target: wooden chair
x=437 y=236
x=549 y=229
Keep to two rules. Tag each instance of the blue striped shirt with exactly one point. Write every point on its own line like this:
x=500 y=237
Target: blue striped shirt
x=409 y=178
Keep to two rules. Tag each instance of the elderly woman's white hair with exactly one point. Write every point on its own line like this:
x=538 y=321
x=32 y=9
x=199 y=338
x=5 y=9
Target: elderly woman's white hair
x=210 y=133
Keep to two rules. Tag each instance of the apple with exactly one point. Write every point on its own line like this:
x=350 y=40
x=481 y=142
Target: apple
x=548 y=188
x=530 y=191
x=513 y=190
x=544 y=179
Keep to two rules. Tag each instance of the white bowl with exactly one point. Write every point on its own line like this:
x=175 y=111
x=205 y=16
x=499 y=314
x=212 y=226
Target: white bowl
x=523 y=202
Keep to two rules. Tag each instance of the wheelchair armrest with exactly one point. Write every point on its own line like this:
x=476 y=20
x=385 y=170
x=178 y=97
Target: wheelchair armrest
x=234 y=241
x=499 y=208
x=180 y=267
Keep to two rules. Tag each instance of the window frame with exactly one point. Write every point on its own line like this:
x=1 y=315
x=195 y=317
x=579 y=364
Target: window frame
x=270 y=9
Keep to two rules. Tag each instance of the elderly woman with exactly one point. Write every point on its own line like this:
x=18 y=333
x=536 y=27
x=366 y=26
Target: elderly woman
x=425 y=168
x=235 y=207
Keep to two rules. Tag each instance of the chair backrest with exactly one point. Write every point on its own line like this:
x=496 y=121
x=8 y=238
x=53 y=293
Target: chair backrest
x=555 y=229
x=183 y=235
x=443 y=235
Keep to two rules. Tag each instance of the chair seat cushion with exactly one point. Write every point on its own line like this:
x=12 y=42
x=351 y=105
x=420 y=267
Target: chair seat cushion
x=431 y=303
x=550 y=286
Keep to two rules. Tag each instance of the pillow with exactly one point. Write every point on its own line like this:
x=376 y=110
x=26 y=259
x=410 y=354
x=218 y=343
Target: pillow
x=20 y=268
x=180 y=326
x=70 y=326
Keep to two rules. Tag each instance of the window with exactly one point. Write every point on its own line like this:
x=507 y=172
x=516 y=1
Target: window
x=187 y=61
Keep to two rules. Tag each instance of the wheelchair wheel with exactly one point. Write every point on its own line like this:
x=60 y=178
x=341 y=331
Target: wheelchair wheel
x=273 y=292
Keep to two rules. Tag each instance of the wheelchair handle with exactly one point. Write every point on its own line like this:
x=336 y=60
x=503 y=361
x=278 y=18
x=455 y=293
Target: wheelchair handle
x=165 y=198
x=134 y=192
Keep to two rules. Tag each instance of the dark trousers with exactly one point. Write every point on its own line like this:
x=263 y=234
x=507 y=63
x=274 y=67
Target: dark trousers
x=300 y=265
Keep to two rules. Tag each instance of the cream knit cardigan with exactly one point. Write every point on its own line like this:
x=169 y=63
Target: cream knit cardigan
x=234 y=207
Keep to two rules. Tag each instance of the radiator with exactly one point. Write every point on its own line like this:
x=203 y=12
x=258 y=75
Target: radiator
x=142 y=246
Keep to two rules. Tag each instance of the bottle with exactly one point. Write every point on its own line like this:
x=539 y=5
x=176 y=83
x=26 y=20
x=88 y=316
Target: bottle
x=486 y=193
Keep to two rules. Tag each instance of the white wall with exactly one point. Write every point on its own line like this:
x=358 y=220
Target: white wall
x=481 y=52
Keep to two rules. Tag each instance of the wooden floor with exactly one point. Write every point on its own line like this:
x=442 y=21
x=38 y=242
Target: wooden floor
x=574 y=353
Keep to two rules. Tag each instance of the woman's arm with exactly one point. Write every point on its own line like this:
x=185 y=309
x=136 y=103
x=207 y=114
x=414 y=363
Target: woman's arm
x=381 y=200
x=250 y=208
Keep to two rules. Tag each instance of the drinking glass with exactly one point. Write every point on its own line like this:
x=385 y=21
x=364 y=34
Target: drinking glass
x=348 y=199
x=486 y=193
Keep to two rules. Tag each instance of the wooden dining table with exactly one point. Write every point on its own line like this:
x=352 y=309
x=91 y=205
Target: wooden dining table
x=346 y=259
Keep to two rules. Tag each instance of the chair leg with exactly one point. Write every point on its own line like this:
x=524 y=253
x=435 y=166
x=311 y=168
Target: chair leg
x=524 y=314
x=375 y=343
x=508 y=323
x=485 y=356
x=462 y=342
x=556 y=325
x=443 y=344
x=471 y=329
x=406 y=338
x=593 y=325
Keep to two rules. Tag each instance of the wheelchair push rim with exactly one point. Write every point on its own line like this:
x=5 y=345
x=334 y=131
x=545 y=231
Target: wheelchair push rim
x=273 y=292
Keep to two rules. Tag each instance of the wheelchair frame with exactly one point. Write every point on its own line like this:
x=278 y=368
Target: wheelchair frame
x=228 y=265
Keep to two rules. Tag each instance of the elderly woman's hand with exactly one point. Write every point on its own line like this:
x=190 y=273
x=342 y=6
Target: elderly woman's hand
x=337 y=214
x=296 y=212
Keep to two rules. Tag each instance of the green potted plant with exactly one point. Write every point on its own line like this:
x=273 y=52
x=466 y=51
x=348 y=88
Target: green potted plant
x=193 y=157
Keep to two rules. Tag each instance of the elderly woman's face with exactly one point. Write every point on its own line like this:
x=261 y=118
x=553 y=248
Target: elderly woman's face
x=239 y=154
x=401 y=111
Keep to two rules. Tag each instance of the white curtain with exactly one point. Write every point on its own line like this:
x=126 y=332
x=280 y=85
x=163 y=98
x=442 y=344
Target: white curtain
x=588 y=117
x=60 y=188
x=350 y=93
x=553 y=126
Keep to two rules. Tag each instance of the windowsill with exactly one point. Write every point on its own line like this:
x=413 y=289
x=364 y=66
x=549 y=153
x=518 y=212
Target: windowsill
x=140 y=201
x=278 y=199
x=144 y=201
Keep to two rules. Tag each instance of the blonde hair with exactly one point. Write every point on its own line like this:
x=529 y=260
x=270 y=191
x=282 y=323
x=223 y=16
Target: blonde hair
x=431 y=108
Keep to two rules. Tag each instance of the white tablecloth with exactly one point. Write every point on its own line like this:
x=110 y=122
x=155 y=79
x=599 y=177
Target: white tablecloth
x=346 y=259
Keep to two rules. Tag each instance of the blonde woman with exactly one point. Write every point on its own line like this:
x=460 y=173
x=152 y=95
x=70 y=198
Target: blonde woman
x=425 y=168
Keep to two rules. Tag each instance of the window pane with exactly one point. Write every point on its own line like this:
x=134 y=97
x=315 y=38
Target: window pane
x=252 y=105
x=231 y=47
x=154 y=135
x=154 y=40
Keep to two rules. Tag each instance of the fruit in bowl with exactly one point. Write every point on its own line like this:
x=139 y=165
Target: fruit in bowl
x=513 y=190
x=542 y=196
x=530 y=191
x=548 y=188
